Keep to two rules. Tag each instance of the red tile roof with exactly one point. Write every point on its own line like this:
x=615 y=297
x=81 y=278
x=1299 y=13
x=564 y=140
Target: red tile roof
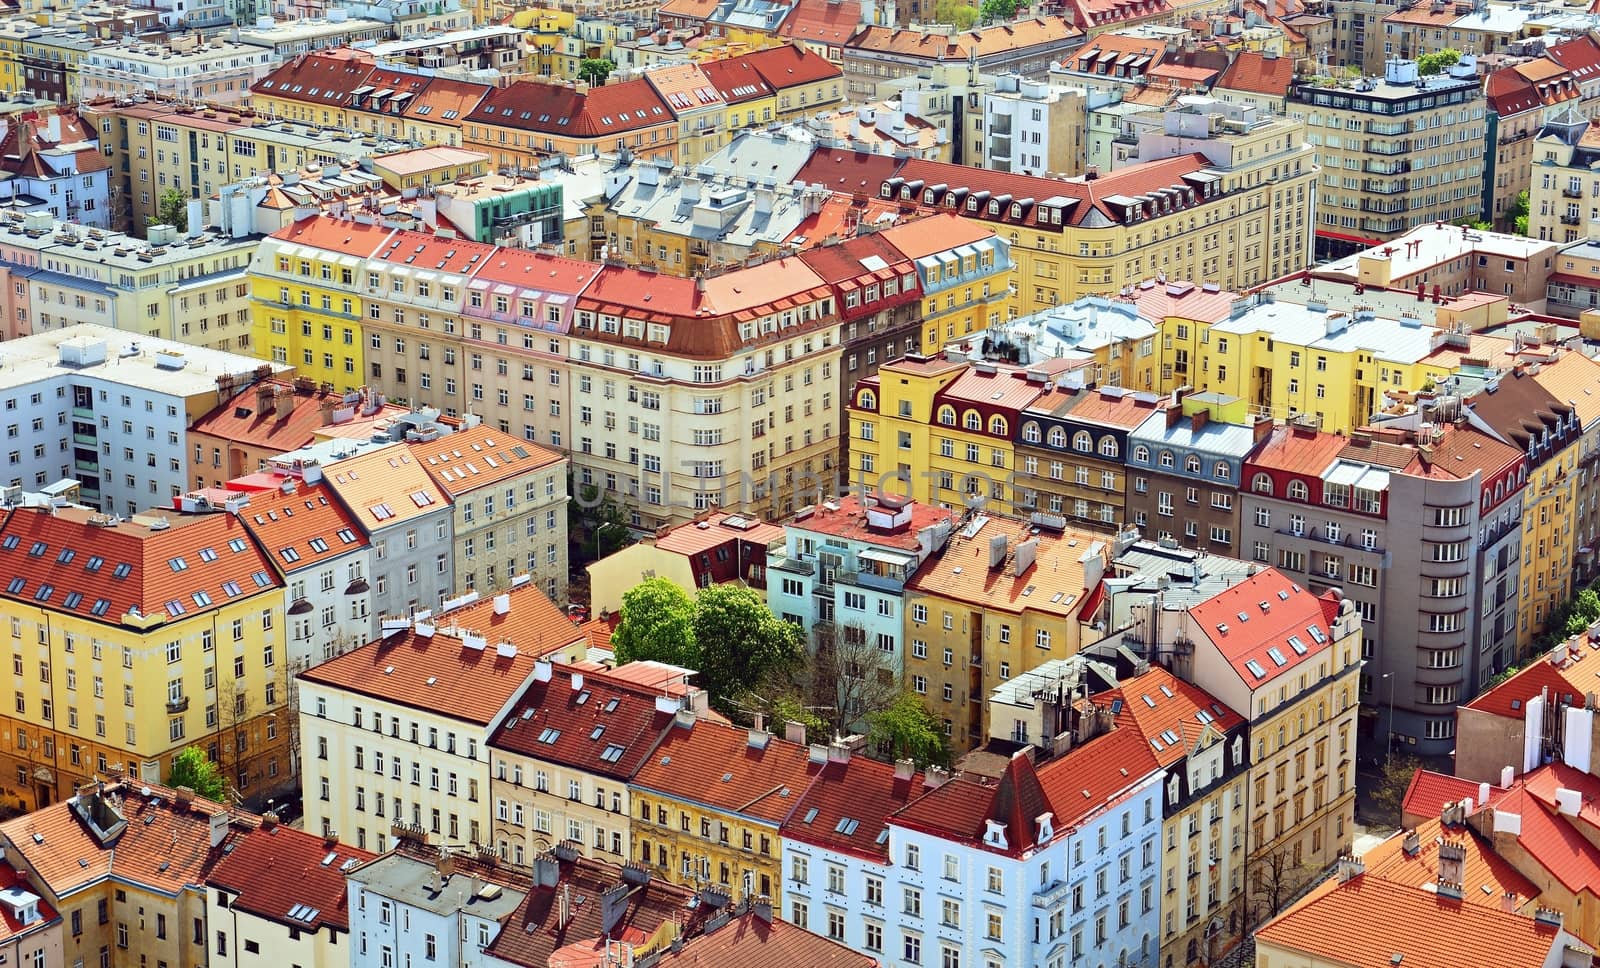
x=1256 y=73
x=290 y=877
x=1552 y=841
x=321 y=78
x=251 y=417
x=1422 y=928
x=301 y=529
x=848 y=171
x=1429 y=792
x=1568 y=669
x=1159 y=702
x=1096 y=774
x=486 y=457
x=10 y=928
x=533 y=935
x=1299 y=450
x=691 y=539
x=751 y=941
x=847 y=807
x=538 y=270
x=424 y=251
x=592 y=722
x=735 y=79
x=1486 y=877
x=159 y=844
x=848 y=520
x=788 y=66
x=556 y=109
x=1276 y=613
x=344 y=236
x=669 y=296
x=100 y=571
x=1103 y=407
x=822 y=21
x=717 y=766
x=433 y=667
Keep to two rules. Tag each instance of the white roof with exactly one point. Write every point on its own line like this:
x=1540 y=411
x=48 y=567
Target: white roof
x=1440 y=244
x=1386 y=339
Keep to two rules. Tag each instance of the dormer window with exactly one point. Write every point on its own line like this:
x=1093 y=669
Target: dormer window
x=972 y=204
x=1046 y=823
x=1016 y=211
x=994 y=835
x=994 y=208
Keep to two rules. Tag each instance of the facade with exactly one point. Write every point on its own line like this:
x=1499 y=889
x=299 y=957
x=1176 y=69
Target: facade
x=218 y=70
x=419 y=898
x=55 y=166
x=876 y=56
x=526 y=121
x=1034 y=128
x=963 y=271
x=1560 y=186
x=510 y=501
x=1404 y=183
x=1003 y=596
x=712 y=548
x=438 y=691
x=132 y=400
x=1072 y=448
x=1185 y=464
x=177 y=687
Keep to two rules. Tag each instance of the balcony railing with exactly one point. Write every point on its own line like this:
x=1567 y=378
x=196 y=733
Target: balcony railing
x=1569 y=219
x=1570 y=192
x=178 y=705
x=1401 y=146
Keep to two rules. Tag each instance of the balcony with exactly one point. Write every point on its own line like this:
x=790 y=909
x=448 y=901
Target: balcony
x=178 y=705
x=1387 y=167
x=1569 y=219
x=1383 y=226
x=1400 y=146
x=1570 y=192
x=1385 y=207
x=1394 y=187
x=83 y=413
x=1387 y=129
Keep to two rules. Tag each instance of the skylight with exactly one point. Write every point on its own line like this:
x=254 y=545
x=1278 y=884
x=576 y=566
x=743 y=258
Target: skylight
x=1255 y=669
x=1277 y=657
x=1297 y=644
x=236 y=544
x=123 y=570
x=177 y=564
x=15 y=585
x=612 y=753
x=810 y=815
x=549 y=736
x=38 y=549
x=208 y=554
x=846 y=826
x=66 y=556
x=94 y=563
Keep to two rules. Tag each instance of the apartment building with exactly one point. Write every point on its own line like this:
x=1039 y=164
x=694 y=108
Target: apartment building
x=713 y=547
x=113 y=413
x=727 y=390
x=1394 y=153
x=564 y=756
x=245 y=917
x=1071 y=453
x=33 y=927
x=843 y=567
x=1002 y=596
x=1563 y=194
x=1185 y=463
x=964 y=270
x=691 y=829
x=875 y=55
x=56 y=166
x=527 y=121
x=86 y=585
x=1473 y=26
x=1036 y=128
x=122 y=854
x=1377 y=515
x=396 y=732
x=217 y=70
x=510 y=500
x=1520 y=98
x=395 y=913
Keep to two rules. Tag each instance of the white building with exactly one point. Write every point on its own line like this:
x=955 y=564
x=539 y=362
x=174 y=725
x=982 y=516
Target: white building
x=109 y=410
x=56 y=167
x=216 y=70
x=429 y=907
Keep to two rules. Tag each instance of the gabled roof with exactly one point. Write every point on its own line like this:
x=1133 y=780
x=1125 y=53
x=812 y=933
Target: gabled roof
x=735 y=79
x=301 y=528
x=468 y=460
x=593 y=723
x=720 y=767
x=250 y=417
x=720 y=528
x=343 y=236
x=1553 y=842
x=847 y=807
x=1486 y=877
x=322 y=78
x=556 y=109
x=1256 y=73
x=95 y=566
x=1423 y=929
x=454 y=666
x=1171 y=715
x=425 y=251
x=125 y=833
x=962 y=808
x=384 y=487
x=1429 y=792
x=289 y=876
x=822 y=21
x=788 y=65
x=848 y=171
x=1265 y=626
x=10 y=928
x=752 y=941
x=1096 y=774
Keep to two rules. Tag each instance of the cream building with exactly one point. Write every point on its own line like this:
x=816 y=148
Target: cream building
x=218 y=70
x=397 y=731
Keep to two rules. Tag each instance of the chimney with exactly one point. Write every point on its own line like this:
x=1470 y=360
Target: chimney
x=219 y=828
x=1198 y=420
x=762 y=908
x=577 y=682
x=269 y=820
x=1262 y=429
x=284 y=403
x=1508 y=902
x=1412 y=844
x=185 y=796
x=838 y=752
x=904 y=769
x=935 y=777
x=795 y=733
x=1452 y=862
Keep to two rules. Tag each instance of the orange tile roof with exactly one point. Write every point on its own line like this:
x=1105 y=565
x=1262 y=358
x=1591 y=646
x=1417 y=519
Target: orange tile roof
x=934 y=234
x=384 y=487
x=1424 y=929
x=180 y=569
x=961 y=808
x=538 y=270
x=822 y=21
x=1256 y=73
x=1575 y=379
x=1053 y=584
x=1097 y=773
x=1428 y=792
x=1567 y=670
x=303 y=528
x=1486 y=877
x=250 y=418
x=1256 y=623
x=758 y=286
x=788 y=66
x=848 y=519
x=467 y=460
x=439 y=672
x=423 y=251
x=1553 y=842
x=1182 y=300
x=161 y=845
x=444 y=95
x=289 y=876
x=1103 y=407
x=716 y=765
x=1159 y=702
x=751 y=941
x=343 y=236
x=1300 y=450
x=595 y=723
x=848 y=806
x=691 y=539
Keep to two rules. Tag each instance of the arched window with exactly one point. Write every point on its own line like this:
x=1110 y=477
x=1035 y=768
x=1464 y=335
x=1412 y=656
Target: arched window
x=974 y=420
x=1166 y=459
x=1058 y=437
x=1108 y=446
x=1191 y=464
x=947 y=415
x=1222 y=471
x=1298 y=491
x=1030 y=432
x=1082 y=442
x=997 y=425
x=1141 y=454
x=868 y=401
x=1261 y=484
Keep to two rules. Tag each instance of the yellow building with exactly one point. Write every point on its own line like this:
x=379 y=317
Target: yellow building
x=425 y=167
x=965 y=269
x=307 y=289
x=1002 y=597
x=135 y=638
x=714 y=547
x=942 y=431
x=708 y=805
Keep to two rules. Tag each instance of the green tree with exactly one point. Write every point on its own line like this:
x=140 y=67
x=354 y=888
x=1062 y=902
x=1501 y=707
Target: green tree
x=595 y=70
x=1437 y=61
x=1390 y=792
x=1518 y=215
x=790 y=708
x=962 y=15
x=995 y=11
x=908 y=731
x=657 y=623
x=191 y=768
x=173 y=209
x=742 y=645
x=595 y=526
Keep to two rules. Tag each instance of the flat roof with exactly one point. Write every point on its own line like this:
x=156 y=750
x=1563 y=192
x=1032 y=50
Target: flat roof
x=129 y=359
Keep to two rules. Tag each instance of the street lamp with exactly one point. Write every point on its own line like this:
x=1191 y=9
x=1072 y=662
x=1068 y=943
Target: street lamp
x=1389 y=723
